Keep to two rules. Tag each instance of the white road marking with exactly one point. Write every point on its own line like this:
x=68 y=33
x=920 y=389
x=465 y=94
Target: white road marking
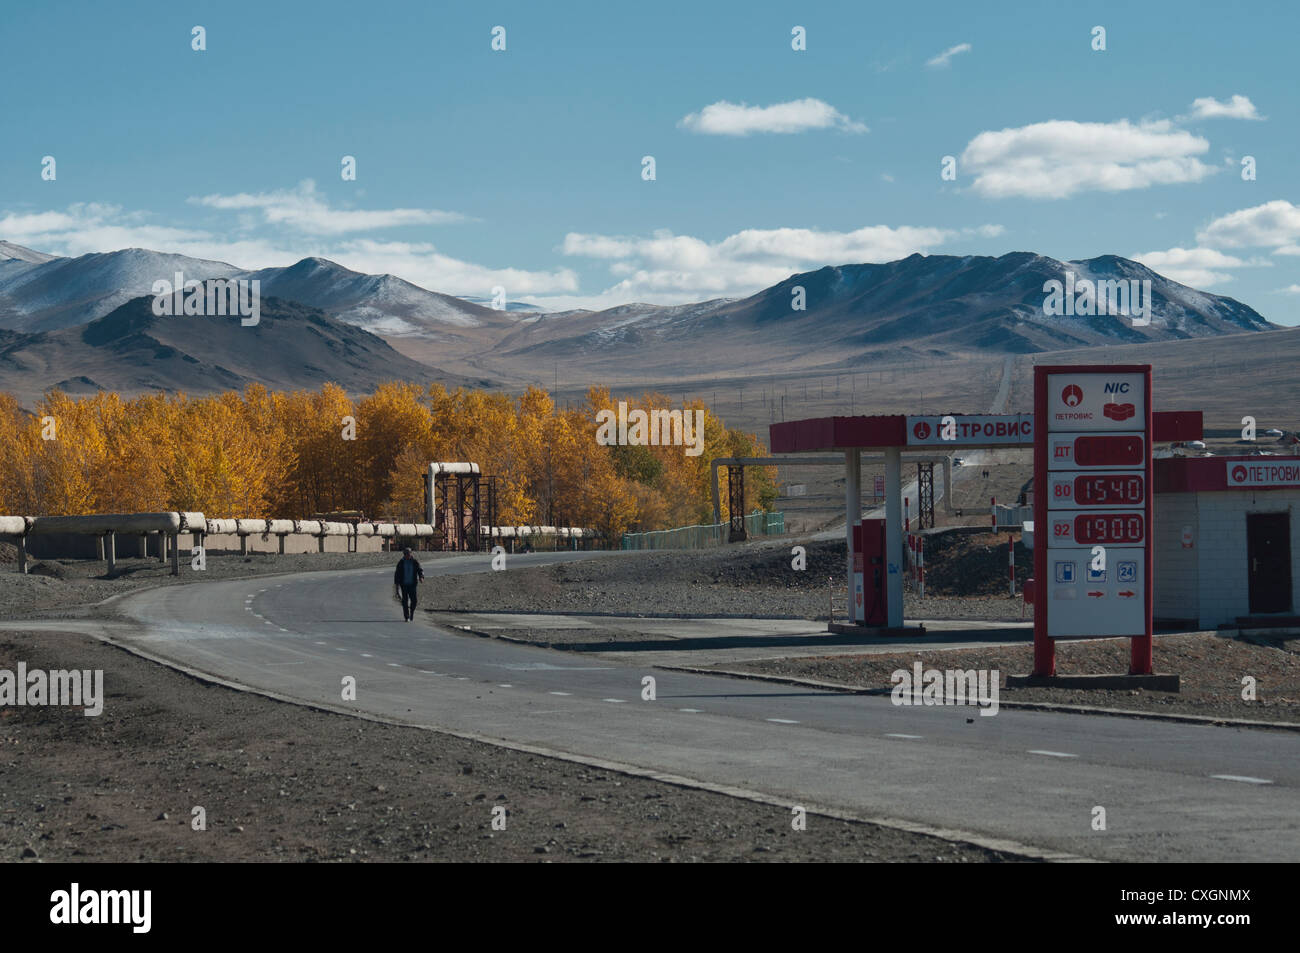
x=616 y=701
x=897 y=735
x=366 y=655
x=1242 y=778
x=393 y=665
x=693 y=711
x=423 y=672
x=318 y=643
x=783 y=721
x=1055 y=754
x=283 y=629
x=560 y=693
x=505 y=686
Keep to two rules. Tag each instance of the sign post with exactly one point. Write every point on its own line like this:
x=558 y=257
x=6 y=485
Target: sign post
x=1092 y=500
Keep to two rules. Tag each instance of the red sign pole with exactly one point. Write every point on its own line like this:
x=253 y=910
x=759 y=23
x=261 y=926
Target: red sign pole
x=1044 y=647
x=1140 y=648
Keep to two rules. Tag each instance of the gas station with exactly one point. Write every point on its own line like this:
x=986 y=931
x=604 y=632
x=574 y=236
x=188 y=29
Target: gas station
x=1091 y=434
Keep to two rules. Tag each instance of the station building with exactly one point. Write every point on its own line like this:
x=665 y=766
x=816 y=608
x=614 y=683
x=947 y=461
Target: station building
x=1227 y=539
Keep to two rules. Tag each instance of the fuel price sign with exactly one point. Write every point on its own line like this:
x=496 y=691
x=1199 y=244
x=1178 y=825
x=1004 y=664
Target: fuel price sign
x=1092 y=459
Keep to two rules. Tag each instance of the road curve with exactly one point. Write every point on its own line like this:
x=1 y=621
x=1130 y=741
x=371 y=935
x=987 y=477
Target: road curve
x=1170 y=791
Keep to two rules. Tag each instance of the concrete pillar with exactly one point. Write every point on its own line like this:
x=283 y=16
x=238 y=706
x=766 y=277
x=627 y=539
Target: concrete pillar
x=281 y=537
x=99 y=548
x=162 y=547
x=175 y=545
x=852 y=517
x=22 y=555
x=144 y=545
x=320 y=543
x=894 y=535
x=243 y=545
x=110 y=550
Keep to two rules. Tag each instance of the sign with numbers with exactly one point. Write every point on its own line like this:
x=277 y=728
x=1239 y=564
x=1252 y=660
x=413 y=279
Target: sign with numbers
x=1092 y=457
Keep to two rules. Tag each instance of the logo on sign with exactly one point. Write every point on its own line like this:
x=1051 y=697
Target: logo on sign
x=1238 y=474
x=1072 y=395
x=1128 y=571
x=1119 y=411
x=1096 y=575
x=922 y=430
x=1117 y=387
x=1065 y=572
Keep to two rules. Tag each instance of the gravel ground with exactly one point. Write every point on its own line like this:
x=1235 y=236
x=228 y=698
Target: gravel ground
x=752 y=581
x=1211 y=669
x=283 y=782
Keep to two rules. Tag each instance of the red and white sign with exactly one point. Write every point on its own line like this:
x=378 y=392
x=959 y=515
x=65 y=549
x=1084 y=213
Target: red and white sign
x=1263 y=473
x=1093 y=460
x=978 y=430
x=1072 y=451
x=1096 y=489
x=1095 y=401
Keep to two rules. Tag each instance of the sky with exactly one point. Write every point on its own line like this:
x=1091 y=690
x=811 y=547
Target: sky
x=524 y=167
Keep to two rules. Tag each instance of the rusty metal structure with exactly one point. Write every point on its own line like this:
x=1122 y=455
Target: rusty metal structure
x=925 y=491
x=736 y=504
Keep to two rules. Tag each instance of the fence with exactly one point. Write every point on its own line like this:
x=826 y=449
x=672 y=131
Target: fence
x=699 y=537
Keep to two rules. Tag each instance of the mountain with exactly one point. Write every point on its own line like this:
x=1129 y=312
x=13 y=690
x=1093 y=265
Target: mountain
x=18 y=253
x=919 y=307
x=40 y=292
x=131 y=350
x=64 y=292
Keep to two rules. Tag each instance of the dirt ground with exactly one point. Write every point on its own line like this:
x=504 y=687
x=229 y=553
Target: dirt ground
x=755 y=580
x=283 y=782
x=1210 y=667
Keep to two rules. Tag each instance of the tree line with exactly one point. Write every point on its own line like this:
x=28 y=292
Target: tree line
x=288 y=455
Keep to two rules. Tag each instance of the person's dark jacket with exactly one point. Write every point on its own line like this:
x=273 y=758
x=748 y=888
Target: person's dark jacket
x=397 y=573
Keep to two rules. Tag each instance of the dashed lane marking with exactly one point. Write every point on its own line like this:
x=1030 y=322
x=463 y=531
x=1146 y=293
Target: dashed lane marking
x=1054 y=754
x=894 y=734
x=1242 y=778
x=782 y=721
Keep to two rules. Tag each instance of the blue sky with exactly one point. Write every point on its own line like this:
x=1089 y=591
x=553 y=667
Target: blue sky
x=523 y=168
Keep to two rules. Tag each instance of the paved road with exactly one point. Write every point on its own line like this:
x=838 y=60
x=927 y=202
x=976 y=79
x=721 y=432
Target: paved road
x=1027 y=776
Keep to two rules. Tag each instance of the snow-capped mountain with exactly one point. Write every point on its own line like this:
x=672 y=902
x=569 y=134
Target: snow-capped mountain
x=41 y=292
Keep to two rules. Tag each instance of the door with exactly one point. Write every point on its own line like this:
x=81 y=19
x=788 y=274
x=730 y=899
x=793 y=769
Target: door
x=1268 y=561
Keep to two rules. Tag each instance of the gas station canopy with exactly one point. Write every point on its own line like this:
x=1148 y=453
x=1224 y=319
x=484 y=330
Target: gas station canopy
x=970 y=430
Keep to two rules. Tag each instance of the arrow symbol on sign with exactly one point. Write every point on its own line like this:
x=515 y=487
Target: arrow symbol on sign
x=1096 y=595
x=1127 y=594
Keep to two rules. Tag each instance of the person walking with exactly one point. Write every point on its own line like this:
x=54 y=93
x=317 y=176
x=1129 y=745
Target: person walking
x=406 y=577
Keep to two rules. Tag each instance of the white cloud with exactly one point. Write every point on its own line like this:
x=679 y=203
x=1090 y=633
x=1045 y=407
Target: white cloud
x=1290 y=290
x=1059 y=158
x=1239 y=107
x=738 y=119
x=305 y=209
x=941 y=61
x=1275 y=223
x=672 y=269
x=1198 y=267
x=82 y=229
